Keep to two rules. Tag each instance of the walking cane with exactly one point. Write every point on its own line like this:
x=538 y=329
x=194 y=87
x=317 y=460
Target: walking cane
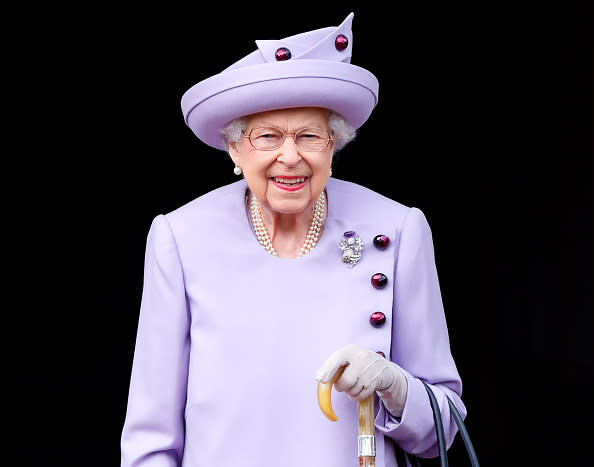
x=366 y=415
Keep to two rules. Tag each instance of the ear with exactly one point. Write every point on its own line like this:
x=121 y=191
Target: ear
x=234 y=153
x=333 y=146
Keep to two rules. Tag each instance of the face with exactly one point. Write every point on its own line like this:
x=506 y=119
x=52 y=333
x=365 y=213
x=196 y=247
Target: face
x=286 y=180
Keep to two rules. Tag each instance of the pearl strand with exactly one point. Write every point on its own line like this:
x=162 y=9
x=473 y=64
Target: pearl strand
x=313 y=234
x=315 y=228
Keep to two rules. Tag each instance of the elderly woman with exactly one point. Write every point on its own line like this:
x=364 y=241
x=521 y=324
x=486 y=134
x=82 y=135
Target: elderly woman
x=254 y=291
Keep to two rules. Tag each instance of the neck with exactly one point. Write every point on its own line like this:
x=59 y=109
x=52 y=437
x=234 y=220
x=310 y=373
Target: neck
x=288 y=232
x=281 y=225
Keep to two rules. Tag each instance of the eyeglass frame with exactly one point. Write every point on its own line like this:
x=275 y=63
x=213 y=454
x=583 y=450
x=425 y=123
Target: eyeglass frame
x=294 y=135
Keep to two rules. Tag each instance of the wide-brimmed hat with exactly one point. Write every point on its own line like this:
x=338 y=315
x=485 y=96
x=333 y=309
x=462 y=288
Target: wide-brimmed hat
x=311 y=69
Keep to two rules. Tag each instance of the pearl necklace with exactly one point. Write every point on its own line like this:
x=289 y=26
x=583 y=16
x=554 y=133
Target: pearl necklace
x=313 y=234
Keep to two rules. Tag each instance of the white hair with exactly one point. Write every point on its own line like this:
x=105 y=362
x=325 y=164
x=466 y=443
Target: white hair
x=232 y=133
x=343 y=132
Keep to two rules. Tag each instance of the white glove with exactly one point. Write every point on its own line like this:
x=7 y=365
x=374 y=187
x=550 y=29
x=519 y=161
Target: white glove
x=366 y=372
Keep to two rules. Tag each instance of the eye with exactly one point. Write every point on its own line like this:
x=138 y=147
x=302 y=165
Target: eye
x=309 y=134
x=266 y=134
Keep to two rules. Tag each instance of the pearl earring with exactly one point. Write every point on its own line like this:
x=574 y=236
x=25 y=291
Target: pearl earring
x=330 y=173
x=237 y=170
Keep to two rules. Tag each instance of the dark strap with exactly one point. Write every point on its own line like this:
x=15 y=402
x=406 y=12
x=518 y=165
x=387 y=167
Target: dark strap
x=441 y=444
x=464 y=433
x=401 y=456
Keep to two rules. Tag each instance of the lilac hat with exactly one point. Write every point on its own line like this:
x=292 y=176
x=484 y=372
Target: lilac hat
x=311 y=69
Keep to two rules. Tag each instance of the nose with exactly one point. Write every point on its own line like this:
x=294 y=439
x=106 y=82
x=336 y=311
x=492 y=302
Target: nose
x=289 y=152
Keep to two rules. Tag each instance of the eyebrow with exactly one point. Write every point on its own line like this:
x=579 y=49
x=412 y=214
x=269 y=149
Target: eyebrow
x=309 y=124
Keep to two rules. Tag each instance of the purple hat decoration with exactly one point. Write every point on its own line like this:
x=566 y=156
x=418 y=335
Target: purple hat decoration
x=311 y=69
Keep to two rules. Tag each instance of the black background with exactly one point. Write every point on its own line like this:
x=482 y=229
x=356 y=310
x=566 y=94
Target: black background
x=483 y=122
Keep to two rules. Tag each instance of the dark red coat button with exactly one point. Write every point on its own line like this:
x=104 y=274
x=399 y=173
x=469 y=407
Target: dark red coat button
x=377 y=319
x=379 y=280
x=341 y=42
x=381 y=241
x=282 y=54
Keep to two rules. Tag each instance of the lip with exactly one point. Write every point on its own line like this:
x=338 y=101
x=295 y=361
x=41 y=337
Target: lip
x=286 y=187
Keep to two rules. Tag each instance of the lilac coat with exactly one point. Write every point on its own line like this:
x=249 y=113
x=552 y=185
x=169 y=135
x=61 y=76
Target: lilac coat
x=230 y=337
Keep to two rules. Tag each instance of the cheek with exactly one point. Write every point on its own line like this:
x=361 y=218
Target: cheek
x=321 y=168
x=321 y=173
x=255 y=174
x=251 y=164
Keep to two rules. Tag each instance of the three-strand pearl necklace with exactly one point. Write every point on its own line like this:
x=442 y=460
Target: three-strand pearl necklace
x=313 y=234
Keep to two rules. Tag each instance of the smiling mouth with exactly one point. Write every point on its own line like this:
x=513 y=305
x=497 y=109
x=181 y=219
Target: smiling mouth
x=289 y=181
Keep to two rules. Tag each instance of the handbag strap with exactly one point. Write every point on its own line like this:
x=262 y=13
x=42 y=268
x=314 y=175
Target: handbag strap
x=443 y=452
x=464 y=434
x=443 y=455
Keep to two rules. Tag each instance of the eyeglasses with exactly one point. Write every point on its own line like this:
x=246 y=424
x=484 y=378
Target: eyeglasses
x=306 y=139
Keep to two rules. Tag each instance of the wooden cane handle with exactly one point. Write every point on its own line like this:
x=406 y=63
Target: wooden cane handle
x=366 y=417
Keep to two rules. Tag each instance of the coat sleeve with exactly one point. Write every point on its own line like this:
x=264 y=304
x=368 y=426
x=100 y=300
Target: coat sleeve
x=420 y=344
x=153 y=430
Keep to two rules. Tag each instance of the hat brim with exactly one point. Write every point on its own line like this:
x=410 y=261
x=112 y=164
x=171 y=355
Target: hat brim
x=210 y=105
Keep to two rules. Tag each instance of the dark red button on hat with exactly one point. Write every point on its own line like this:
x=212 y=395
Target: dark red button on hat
x=341 y=42
x=282 y=54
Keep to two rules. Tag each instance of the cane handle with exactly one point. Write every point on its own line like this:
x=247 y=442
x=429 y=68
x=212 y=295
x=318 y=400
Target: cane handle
x=325 y=395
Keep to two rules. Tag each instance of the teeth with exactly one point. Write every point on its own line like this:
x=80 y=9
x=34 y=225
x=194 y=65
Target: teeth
x=289 y=181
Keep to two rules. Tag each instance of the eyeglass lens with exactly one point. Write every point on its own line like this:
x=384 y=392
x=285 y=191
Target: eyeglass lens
x=307 y=139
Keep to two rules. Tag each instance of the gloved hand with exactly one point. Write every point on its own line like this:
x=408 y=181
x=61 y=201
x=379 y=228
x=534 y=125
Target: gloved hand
x=366 y=372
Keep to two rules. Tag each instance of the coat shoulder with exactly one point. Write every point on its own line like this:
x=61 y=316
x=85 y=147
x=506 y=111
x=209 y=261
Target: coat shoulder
x=221 y=205
x=364 y=203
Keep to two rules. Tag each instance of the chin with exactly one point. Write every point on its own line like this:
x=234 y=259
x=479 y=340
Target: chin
x=294 y=206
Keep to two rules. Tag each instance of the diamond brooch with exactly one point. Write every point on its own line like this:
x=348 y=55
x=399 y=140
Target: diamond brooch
x=351 y=246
